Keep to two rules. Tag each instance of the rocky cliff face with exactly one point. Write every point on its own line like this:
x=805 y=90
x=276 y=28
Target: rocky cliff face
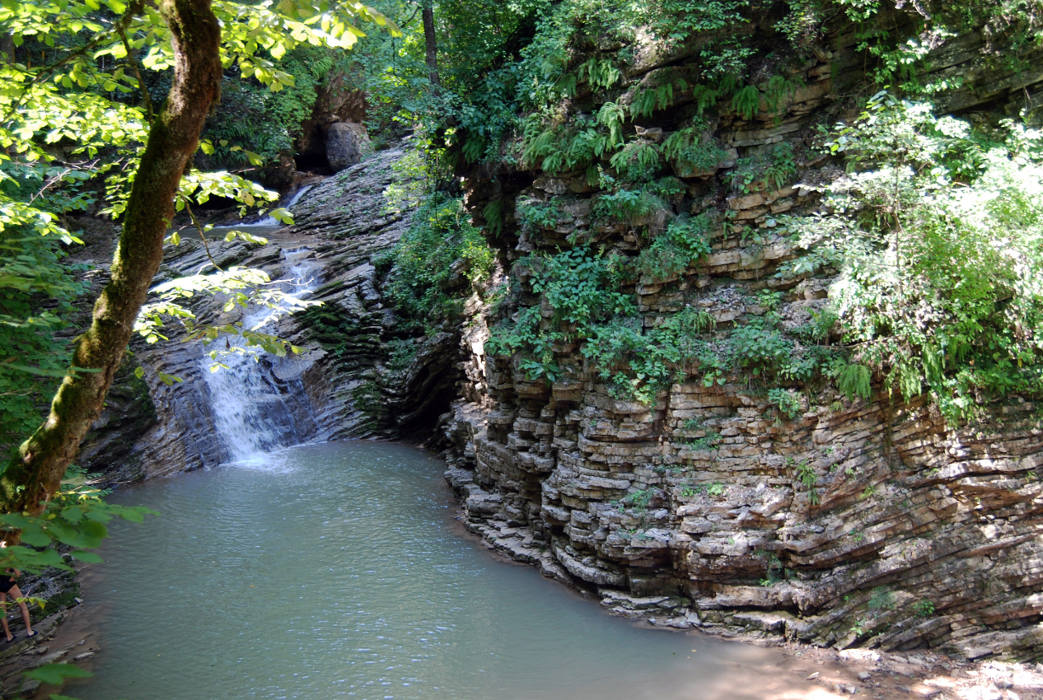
x=849 y=523
x=346 y=383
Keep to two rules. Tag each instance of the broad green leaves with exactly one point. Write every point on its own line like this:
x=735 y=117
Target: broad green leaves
x=77 y=518
x=441 y=249
x=83 y=94
x=252 y=30
x=199 y=187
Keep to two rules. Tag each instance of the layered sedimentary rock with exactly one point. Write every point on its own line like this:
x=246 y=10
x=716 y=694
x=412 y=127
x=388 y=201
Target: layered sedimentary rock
x=854 y=522
x=345 y=383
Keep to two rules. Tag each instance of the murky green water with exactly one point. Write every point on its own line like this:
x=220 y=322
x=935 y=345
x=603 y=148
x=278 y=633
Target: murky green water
x=333 y=571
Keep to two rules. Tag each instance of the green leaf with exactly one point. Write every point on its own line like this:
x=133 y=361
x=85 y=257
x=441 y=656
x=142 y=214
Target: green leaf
x=85 y=535
x=16 y=520
x=41 y=560
x=94 y=530
x=56 y=674
x=32 y=535
x=282 y=215
x=73 y=514
x=169 y=379
x=37 y=371
x=86 y=557
x=134 y=514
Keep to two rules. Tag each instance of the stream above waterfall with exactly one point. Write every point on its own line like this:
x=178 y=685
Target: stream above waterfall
x=335 y=571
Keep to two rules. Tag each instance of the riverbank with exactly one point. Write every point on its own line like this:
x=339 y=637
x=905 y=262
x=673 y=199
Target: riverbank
x=790 y=671
x=63 y=637
x=831 y=673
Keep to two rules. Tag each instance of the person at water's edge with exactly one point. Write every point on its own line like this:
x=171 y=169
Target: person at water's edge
x=9 y=588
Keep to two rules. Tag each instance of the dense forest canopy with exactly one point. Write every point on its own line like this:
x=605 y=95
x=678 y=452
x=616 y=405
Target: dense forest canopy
x=934 y=231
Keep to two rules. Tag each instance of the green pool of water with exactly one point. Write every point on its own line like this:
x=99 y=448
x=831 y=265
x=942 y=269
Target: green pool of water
x=334 y=571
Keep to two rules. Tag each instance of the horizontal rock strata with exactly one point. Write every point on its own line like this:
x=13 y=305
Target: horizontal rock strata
x=853 y=523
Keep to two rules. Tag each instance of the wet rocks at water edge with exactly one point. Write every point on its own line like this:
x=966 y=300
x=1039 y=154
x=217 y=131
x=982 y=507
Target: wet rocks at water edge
x=782 y=509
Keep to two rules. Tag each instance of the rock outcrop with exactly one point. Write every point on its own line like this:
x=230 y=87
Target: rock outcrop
x=347 y=381
x=851 y=523
x=346 y=144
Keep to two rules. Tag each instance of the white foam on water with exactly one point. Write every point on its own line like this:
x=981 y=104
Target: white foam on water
x=254 y=411
x=270 y=221
x=272 y=462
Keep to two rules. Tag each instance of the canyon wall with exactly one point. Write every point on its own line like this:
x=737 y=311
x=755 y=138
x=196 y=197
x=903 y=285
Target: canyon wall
x=840 y=522
x=837 y=521
x=346 y=382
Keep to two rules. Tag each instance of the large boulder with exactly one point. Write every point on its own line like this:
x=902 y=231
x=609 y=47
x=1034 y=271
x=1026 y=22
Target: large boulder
x=346 y=144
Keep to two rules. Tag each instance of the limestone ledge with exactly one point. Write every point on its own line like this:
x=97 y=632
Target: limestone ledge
x=916 y=534
x=862 y=523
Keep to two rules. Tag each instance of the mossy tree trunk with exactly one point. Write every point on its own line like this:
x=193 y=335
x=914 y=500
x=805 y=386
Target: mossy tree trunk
x=173 y=138
x=430 y=43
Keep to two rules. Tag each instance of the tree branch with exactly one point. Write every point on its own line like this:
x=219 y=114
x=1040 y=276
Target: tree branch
x=174 y=136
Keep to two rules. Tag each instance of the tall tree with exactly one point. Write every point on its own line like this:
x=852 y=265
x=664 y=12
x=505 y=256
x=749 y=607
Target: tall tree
x=430 y=42
x=69 y=101
x=173 y=138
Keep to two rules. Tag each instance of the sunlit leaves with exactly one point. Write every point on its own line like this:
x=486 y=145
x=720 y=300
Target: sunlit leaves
x=251 y=30
x=245 y=236
x=69 y=102
x=240 y=289
x=35 y=112
x=939 y=249
x=76 y=517
x=17 y=216
x=199 y=187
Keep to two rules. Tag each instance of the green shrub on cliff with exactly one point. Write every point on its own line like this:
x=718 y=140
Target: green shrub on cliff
x=941 y=239
x=639 y=362
x=437 y=263
x=581 y=106
x=680 y=246
x=580 y=289
x=583 y=304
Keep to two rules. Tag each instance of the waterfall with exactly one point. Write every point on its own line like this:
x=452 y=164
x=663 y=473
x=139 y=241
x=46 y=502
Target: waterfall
x=270 y=221
x=258 y=401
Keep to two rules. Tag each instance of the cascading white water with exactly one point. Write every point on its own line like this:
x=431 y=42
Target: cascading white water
x=270 y=221
x=258 y=401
